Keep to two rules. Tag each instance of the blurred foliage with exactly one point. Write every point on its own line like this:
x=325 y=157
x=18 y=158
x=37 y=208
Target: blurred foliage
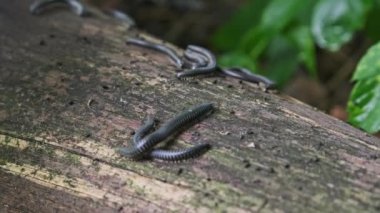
x=335 y=21
x=364 y=103
x=275 y=37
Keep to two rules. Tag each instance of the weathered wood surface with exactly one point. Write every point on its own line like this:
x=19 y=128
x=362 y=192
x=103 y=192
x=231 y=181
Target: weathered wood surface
x=270 y=153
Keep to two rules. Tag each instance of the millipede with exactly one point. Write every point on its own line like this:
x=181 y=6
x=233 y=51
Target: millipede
x=143 y=145
x=157 y=47
x=39 y=6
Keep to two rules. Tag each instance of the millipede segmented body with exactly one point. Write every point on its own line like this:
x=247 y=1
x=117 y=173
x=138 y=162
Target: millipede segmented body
x=201 y=60
x=158 y=47
x=39 y=6
x=194 y=59
x=168 y=155
x=208 y=69
x=178 y=155
x=119 y=15
x=246 y=75
x=145 y=145
x=186 y=117
x=143 y=130
x=205 y=52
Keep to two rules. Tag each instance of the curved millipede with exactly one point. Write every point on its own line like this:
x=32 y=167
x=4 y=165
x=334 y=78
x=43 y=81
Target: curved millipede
x=158 y=47
x=246 y=75
x=204 y=55
x=187 y=117
x=143 y=130
x=170 y=127
x=210 y=57
x=208 y=69
x=168 y=155
x=40 y=5
x=182 y=154
x=194 y=59
x=145 y=145
x=121 y=16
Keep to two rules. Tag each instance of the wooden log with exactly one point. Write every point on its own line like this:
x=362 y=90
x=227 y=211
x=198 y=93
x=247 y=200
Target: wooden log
x=72 y=91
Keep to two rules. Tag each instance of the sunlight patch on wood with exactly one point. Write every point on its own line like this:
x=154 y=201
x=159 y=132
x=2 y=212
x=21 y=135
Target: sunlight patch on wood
x=96 y=184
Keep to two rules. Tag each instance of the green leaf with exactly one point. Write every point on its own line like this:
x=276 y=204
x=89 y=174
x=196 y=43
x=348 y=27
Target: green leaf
x=246 y=18
x=369 y=65
x=303 y=40
x=335 y=21
x=364 y=104
x=234 y=59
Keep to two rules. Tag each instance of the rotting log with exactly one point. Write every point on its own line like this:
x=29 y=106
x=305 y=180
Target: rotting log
x=71 y=91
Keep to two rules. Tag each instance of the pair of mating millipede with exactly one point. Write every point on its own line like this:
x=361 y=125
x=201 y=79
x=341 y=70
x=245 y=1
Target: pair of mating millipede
x=78 y=8
x=143 y=143
x=201 y=62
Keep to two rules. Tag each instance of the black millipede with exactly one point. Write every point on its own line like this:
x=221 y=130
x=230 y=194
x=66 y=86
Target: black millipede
x=246 y=75
x=205 y=52
x=38 y=6
x=121 y=16
x=196 y=69
x=158 y=47
x=198 y=54
x=168 y=155
x=208 y=69
x=182 y=154
x=194 y=59
x=143 y=130
x=170 y=127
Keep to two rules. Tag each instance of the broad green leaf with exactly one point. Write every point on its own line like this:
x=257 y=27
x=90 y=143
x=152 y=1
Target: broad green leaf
x=243 y=20
x=369 y=65
x=280 y=64
x=364 y=104
x=303 y=40
x=335 y=21
x=234 y=59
